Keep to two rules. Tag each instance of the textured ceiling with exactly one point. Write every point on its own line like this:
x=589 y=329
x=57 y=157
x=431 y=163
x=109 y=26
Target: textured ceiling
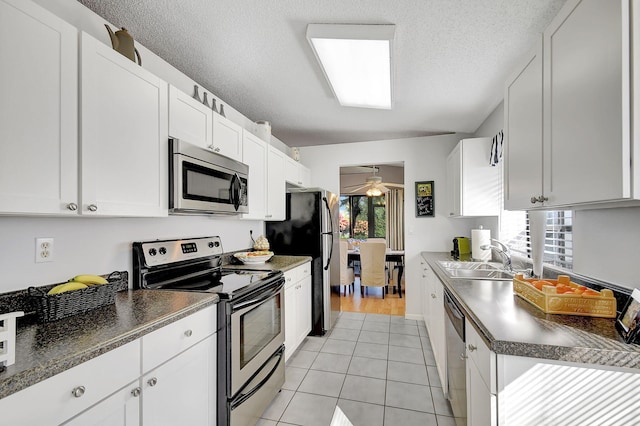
x=451 y=59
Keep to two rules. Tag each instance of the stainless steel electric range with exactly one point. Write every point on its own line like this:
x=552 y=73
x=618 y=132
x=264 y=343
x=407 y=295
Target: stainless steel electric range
x=250 y=318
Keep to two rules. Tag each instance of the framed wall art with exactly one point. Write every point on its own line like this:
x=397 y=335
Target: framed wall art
x=424 y=199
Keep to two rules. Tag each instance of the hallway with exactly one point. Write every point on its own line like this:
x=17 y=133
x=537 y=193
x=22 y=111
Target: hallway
x=378 y=369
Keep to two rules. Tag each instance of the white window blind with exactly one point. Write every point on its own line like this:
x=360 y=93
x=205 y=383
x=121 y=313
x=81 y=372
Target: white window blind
x=558 y=247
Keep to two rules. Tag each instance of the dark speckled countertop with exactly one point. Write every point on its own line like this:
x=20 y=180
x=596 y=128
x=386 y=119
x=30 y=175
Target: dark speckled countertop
x=43 y=350
x=277 y=262
x=512 y=326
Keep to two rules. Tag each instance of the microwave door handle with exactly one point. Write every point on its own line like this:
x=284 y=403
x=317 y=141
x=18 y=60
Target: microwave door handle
x=236 y=190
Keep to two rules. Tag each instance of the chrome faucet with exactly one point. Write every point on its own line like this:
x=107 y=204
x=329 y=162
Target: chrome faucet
x=503 y=250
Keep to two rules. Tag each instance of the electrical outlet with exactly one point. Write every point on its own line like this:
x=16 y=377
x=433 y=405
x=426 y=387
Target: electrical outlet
x=44 y=250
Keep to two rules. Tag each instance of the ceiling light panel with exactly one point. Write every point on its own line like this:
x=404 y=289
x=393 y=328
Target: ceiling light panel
x=357 y=62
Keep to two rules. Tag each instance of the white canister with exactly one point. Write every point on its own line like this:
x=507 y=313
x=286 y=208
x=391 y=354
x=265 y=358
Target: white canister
x=263 y=130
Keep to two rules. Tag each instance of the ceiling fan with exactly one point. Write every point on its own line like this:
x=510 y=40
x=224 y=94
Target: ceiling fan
x=376 y=186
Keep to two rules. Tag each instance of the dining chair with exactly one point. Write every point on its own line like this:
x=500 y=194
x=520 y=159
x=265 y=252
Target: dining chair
x=347 y=276
x=372 y=265
x=387 y=265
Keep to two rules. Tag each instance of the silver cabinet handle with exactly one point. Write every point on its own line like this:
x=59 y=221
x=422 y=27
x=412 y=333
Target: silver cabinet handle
x=217 y=150
x=152 y=381
x=463 y=356
x=472 y=347
x=433 y=296
x=268 y=215
x=540 y=199
x=188 y=333
x=450 y=214
x=72 y=206
x=78 y=391
x=534 y=199
x=135 y=392
x=92 y=208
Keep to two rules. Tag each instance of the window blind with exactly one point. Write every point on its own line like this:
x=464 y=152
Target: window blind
x=558 y=247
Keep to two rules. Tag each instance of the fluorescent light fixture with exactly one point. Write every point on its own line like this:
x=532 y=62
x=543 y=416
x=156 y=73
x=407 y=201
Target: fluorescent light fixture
x=357 y=62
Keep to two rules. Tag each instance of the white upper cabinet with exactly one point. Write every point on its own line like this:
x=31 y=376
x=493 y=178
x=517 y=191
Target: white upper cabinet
x=473 y=184
x=584 y=68
x=227 y=137
x=189 y=119
x=38 y=111
x=124 y=134
x=276 y=198
x=523 y=133
x=254 y=154
x=296 y=173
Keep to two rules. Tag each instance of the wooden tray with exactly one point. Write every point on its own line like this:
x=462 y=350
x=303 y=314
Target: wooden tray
x=602 y=304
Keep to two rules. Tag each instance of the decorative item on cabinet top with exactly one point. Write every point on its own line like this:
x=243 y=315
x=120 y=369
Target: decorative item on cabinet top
x=122 y=42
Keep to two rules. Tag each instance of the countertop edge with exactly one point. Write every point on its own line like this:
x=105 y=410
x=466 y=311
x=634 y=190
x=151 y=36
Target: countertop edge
x=584 y=355
x=26 y=378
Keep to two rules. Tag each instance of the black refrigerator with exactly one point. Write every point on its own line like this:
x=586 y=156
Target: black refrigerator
x=311 y=229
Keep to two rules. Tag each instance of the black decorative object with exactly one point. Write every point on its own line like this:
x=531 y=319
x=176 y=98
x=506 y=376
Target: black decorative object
x=424 y=199
x=628 y=323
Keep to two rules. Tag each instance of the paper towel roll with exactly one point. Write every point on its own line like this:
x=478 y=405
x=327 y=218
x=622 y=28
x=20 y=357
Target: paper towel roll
x=480 y=237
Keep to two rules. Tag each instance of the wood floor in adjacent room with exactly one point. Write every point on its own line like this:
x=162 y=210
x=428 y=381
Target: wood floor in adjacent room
x=372 y=302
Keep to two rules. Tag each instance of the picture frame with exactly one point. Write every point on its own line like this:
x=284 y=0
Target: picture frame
x=628 y=323
x=425 y=206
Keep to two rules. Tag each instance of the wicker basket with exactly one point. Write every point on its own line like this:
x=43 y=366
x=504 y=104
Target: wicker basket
x=52 y=307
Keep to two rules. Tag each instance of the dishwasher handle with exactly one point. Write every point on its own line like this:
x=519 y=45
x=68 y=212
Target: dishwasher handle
x=454 y=313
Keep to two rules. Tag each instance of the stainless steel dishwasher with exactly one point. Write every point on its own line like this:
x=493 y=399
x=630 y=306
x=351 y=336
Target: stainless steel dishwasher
x=456 y=359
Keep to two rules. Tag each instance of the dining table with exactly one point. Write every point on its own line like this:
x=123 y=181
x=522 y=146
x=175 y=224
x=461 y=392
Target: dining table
x=392 y=256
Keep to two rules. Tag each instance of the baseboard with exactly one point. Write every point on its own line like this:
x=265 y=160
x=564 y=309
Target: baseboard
x=416 y=317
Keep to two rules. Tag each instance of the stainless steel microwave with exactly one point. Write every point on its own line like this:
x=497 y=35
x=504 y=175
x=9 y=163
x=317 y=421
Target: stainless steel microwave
x=203 y=182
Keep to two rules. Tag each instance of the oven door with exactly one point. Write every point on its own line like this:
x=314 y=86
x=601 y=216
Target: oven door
x=257 y=332
x=204 y=187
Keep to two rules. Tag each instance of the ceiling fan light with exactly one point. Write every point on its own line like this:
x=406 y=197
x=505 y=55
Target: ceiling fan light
x=374 y=191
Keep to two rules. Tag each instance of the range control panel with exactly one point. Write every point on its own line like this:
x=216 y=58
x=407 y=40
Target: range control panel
x=158 y=253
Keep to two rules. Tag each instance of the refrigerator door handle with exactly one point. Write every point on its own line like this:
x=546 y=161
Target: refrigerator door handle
x=326 y=203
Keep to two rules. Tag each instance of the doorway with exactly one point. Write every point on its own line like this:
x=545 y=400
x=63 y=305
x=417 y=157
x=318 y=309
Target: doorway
x=372 y=206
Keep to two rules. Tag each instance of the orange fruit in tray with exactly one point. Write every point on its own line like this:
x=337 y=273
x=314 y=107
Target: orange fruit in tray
x=540 y=283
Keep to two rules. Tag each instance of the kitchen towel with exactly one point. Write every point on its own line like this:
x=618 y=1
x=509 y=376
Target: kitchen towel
x=480 y=237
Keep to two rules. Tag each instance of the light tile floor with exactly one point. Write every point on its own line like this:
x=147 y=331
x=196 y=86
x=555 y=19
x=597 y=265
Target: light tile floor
x=379 y=369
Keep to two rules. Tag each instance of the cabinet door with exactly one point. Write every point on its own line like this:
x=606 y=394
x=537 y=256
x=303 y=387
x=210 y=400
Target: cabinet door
x=437 y=331
x=254 y=154
x=123 y=135
x=227 y=137
x=480 y=182
x=292 y=171
x=290 y=320
x=425 y=292
x=304 y=307
x=38 y=111
x=481 y=404
x=183 y=390
x=523 y=133
x=120 y=409
x=189 y=119
x=586 y=103
x=305 y=176
x=276 y=202
x=454 y=169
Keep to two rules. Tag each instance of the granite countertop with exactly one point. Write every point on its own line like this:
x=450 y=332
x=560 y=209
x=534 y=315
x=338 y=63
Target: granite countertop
x=43 y=350
x=511 y=326
x=276 y=263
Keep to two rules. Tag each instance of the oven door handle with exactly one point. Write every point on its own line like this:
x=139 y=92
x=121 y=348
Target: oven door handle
x=244 y=396
x=265 y=296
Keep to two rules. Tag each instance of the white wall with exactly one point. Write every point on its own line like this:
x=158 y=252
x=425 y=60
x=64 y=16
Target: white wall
x=424 y=159
x=100 y=245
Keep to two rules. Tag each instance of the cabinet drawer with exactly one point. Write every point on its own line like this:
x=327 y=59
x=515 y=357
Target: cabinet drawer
x=169 y=341
x=478 y=353
x=52 y=401
x=294 y=275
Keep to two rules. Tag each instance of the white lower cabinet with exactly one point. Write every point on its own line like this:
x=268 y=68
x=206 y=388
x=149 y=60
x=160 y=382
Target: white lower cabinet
x=178 y=386
x=436 y=326
x=425 y=292
x=481 y=380
x=297 y=307
x=183 y=390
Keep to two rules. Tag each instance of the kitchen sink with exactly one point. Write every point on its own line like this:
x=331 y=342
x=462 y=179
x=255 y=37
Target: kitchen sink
x=476 y=270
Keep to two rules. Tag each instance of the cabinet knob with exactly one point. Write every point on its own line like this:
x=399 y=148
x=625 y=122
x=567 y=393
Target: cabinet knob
x=136 y=392
x=268 y=216
x=152 y=381
x=463 y=356
x=472 y=347
x=72 y=206
x=188 y=333
x=433 y=296
x=450 y=214
x=92 y=208
x=539 y=199
x=78 y=391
